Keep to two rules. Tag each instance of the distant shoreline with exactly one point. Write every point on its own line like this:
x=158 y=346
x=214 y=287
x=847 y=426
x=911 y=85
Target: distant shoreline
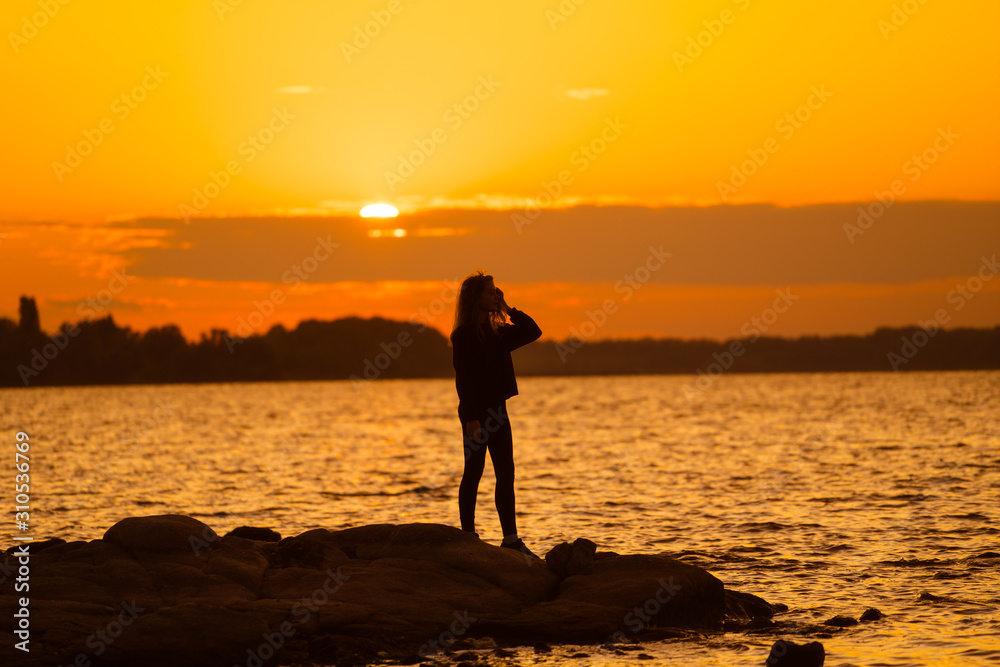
x=100 y=353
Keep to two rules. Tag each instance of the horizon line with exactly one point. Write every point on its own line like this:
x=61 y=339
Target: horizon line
x=351 y=209
x=543 y=339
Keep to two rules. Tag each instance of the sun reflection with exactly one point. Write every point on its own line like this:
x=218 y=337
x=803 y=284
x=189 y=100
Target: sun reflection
x=386 y=233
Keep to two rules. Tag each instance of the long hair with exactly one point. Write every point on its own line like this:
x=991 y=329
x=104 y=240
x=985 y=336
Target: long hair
x=469 y=309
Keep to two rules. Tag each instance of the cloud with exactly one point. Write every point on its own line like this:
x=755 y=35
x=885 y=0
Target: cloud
x=727 y=245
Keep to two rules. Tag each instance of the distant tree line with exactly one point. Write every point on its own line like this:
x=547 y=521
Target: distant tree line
x=100 y=352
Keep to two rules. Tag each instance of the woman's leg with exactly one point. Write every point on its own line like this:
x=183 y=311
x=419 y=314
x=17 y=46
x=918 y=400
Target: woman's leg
x=475 y=461
x=501 y=447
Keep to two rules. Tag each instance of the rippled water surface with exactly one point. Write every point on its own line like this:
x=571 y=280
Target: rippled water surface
x=830 y=493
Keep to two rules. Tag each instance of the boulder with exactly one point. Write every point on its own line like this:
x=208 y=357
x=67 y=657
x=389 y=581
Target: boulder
x=526 y=578
x=659 y=590
x=788 y=654
x=841 y=621
x=568 y=559
x=256 y=534
x=191 y=634
x=872 y=614
x=744 y=608
x=165 y=534
x=312 y=549
x=239 y=561
x=166 y=590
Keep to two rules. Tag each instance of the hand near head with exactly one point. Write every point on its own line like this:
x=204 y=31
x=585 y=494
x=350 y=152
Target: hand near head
x=504 y=308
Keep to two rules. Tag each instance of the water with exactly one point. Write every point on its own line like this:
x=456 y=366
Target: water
x=830 y=493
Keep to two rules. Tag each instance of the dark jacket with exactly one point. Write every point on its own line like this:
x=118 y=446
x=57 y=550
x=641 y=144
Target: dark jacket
x=484 y=372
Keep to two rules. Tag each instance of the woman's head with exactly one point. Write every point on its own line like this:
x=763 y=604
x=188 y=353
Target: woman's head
x=477 y=300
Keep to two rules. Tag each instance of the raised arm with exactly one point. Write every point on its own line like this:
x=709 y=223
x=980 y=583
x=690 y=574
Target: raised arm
x=521 y=331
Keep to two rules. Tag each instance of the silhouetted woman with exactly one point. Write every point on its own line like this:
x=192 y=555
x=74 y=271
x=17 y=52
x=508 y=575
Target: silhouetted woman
x=484 y=376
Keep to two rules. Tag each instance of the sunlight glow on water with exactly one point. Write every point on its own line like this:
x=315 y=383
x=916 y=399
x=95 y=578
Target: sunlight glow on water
x=830 y=493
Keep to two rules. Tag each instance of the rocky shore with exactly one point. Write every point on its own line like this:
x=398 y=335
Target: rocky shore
x=167 y=590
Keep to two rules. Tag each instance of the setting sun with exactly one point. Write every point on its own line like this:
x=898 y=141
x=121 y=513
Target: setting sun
x=379 y=211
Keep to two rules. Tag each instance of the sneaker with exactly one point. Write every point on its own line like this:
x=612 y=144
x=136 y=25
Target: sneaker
x=518 y=546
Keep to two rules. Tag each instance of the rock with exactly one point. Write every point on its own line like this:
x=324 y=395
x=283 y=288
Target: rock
x=239 y=561
x=256 y=534
x=179 y=583
x=473 y=644
x=567 y=559
x=343 y=650
x=872 y=614
x=126 y=579
x=788 y=654
x=744 y=607
x=841 y=621
x=165 y=534
x=623 y=597
x=168 y=590
x=529 y=580
x=658 y=590
x=307 y=550
x=42 y=544
x=191 y=634
x=567 y=621
x=97 y=552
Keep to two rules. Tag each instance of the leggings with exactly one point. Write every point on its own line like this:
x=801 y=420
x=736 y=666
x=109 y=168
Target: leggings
x=495 y=425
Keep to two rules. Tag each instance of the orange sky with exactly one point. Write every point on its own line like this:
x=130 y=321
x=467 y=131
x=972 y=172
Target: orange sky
x=187 y=141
